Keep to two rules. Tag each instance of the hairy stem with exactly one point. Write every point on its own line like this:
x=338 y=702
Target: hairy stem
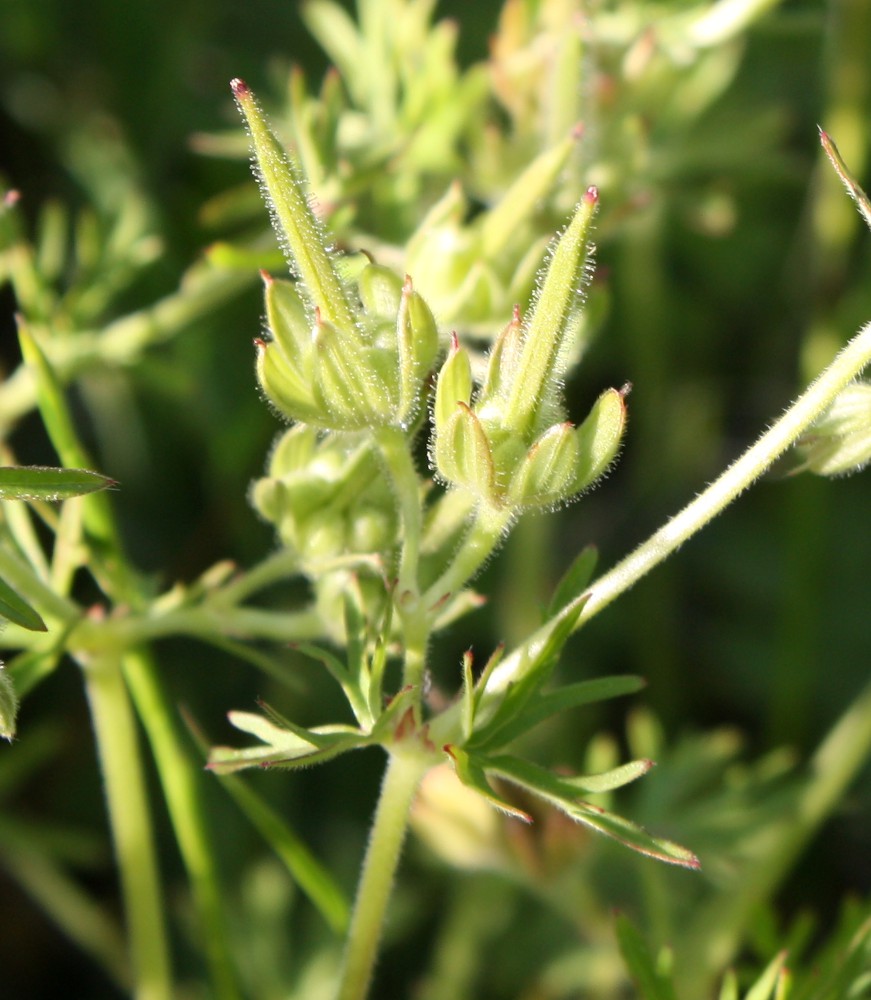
x=401 y=779
x=741 y=474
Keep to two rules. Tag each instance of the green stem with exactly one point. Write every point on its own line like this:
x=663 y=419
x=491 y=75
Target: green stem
x=57 y=609
x=121 y=765
x=182 y=787
x=394 y=447
x=483 y=536
x=741 y=474
x=401 y=779
x=846 y=366
x=416 y=624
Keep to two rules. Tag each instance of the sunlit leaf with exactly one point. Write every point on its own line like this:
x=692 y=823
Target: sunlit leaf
x=37 y=482
x=15 y=609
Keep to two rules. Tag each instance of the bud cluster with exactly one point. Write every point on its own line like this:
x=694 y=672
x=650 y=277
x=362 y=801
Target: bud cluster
x=366 y=375
x=510 y=445
x=326 y=496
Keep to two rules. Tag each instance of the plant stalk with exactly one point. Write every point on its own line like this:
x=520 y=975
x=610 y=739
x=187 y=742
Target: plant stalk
x=401 y=779
x=121 y=765
x=741 y=474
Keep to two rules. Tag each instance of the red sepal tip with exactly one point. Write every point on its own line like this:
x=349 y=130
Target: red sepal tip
x=591 y=195
x=239 y=87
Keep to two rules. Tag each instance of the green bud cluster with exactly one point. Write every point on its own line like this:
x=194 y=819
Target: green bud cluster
x=509 y=444
x=326 y=496
x=340 y=357
x=364 y=376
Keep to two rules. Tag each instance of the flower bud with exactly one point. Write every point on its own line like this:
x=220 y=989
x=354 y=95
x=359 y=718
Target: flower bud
x=454 y=384
x=546 y=472
x=462 y=453
x=840 y=441
x=325 y=497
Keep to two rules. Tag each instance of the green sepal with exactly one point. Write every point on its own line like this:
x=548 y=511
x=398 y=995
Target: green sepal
x=599 y=438
x=289 y=322
x=350 y=390
x=502 y=360
x=37 y=482
x=380 y=290
x=840 y=441
x=547 y=470
x=283 y=387
x=417 y=339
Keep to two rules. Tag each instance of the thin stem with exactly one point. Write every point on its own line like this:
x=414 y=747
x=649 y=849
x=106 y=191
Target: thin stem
x=741 y=474
x=406 y=483
x=51 y=605
x=481 y=539
x=182 y=787
x=846 y=366
x=202 y=291
x=121 y=765
x=401 y=779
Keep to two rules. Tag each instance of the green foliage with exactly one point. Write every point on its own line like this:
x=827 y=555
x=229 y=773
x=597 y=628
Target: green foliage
x=438 y=221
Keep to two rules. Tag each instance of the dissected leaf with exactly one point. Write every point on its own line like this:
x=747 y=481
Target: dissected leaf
x=287 y=745
x=472 y=775
x=563 y=794
x=543 y=706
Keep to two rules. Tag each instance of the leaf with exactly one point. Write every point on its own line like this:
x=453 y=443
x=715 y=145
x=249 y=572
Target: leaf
x=348 y=682
x=850 y=183
x=767 y=985
x=287 y=745
x=472 y=775
x=37 y=482
x=651 y=983
x=537 y=709
x=311 y=876
x=574 y=581
x=8 y=706
x=528 y=672
x=15 y=609
x=563 y=794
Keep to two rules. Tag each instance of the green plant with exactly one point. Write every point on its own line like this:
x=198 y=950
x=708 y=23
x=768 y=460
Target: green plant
x=428 y=331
